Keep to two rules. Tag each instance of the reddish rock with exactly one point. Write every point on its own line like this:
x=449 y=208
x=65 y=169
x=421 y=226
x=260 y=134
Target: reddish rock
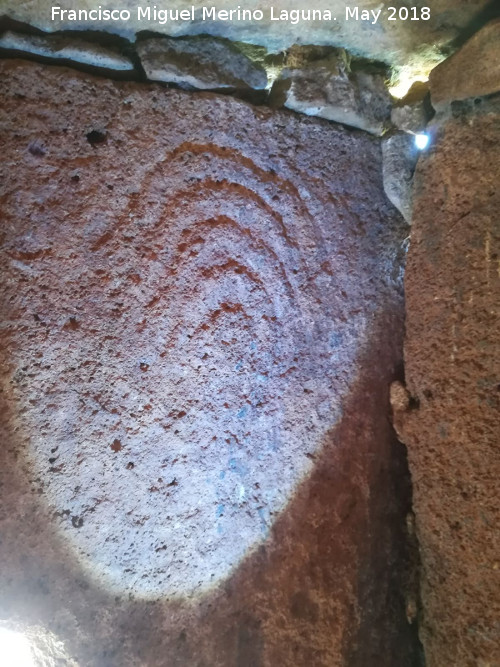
x=202 y=314
x=473 y=71
x=451 y=422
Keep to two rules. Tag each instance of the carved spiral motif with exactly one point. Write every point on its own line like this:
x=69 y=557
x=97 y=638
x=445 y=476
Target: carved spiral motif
x=221 y=315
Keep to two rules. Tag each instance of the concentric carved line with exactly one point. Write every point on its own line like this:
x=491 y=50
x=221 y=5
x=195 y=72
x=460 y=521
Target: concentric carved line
x=227 y=153
x=139 y=201
x=257 y=242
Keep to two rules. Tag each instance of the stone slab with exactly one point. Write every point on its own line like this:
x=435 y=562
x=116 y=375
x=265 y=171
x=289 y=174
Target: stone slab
x=71 y=49
x=202 y=311
x=451 y=424
x=328 y=89
x=412 y=113
x=473 y=71
x=399 y=160
x=205 y=63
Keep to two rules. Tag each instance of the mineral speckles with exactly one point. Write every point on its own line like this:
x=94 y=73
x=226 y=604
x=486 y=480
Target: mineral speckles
x=221 y=272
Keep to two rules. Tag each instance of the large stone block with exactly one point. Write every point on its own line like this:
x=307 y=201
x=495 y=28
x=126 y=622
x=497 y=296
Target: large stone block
x=201 y=315
x=201 y=62
x=329 y=89
x=473 y=71
x=74 y=50
x=451 y=424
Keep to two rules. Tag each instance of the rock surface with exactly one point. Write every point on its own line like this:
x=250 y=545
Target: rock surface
x=473 y=71
x=413 y=112
x=328 y=89
x=415 y=43
x=452 y=355
x=71 y=49
x=399 y=160
x=206 y=63
x=202 y=315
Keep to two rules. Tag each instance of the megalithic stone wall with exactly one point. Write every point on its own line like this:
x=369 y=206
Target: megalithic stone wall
x=202 y=312
x=452 y=366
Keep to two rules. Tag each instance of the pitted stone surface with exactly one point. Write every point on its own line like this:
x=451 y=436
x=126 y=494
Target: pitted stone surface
x=451 y=425
x=195 y=296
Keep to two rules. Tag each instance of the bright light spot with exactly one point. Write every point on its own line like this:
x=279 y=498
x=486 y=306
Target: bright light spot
x=400 y=87
x=15 y=650
x=403 y=78
x=421 y=141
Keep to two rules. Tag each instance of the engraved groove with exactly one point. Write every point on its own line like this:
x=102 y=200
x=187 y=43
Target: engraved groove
x=203 y=328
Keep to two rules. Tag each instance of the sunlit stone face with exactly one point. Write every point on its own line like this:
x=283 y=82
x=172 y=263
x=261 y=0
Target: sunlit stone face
x=189 y=334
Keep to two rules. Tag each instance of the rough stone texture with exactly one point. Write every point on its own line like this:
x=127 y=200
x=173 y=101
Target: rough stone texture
x=201 y=317
x=399 y=160
x=201 y=62
x=472 y=71
x=413 y=112
x=416 y=44
x=299 y=56
x=71 y=49
x=408 y=118
x=452 y=355
x=328 y=89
